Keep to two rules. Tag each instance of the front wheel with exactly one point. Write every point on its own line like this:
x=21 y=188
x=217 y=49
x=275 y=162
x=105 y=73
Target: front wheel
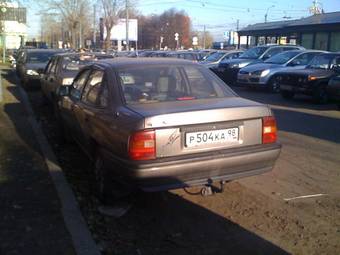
x=287 y=94
x=320 y=96
x=273 y=85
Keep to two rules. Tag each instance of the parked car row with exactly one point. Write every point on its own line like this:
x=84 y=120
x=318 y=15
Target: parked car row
x=287 y=69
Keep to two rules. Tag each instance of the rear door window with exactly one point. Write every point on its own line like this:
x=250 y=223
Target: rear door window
x=92 y=90
x=78 y=85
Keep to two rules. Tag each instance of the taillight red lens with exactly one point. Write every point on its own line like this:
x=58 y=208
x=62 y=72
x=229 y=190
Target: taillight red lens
x=269 y=130
x=142 y=145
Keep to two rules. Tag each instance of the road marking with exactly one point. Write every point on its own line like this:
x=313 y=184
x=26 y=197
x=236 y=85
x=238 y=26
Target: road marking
x=306 y=196
x=1 y=86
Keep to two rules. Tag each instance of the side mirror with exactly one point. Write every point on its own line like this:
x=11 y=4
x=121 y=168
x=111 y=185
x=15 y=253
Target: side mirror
x=63 y=91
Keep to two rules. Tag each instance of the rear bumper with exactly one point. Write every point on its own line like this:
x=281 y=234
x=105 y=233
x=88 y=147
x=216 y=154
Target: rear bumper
x=224 y=165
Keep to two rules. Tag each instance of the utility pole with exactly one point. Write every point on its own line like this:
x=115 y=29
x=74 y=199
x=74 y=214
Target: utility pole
x=204 y=37
x=80 y=35
x=316 y=8
x=238 y=37
x=127 y=25
x=94 y=26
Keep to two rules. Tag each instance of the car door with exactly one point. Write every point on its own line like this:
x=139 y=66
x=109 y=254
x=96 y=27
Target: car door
x=68 y=103
x=43 y=78
x=51 y=78
x=90 y=109
x=333 y=88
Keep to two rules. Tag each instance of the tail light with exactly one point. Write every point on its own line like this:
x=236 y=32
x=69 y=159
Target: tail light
x=269 y=130
x=142 y=145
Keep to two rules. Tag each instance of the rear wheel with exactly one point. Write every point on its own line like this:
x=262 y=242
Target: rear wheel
x=287 y=94
x=108 y=189
x=320 y=95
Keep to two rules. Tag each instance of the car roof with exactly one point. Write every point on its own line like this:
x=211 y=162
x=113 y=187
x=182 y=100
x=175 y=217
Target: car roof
x=134 y=62
x=44 y=50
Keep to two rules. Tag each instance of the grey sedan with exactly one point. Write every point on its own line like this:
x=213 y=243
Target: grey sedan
x=160 y=124
x=263 y=74
x=215 y=58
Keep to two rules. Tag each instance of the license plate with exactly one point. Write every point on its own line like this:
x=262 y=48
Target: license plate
x=221 y=136
x=286 y=87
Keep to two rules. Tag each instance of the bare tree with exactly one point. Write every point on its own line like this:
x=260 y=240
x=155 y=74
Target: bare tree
x=112 y=9
x=73 y=13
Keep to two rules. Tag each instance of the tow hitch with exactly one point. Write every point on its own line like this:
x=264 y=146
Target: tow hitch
x=209 y=189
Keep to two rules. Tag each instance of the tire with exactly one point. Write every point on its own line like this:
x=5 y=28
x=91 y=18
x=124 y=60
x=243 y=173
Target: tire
x=273 y=85
x=62 y=131
x=320 y=95
x=108 y=189
x=287 y=94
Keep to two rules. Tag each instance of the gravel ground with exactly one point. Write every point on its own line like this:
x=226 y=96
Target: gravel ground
x=250 y=217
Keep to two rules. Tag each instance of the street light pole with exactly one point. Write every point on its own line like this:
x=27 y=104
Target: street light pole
x=204 y=37
x=94 y=26
x=266 y=15
x=127 y=25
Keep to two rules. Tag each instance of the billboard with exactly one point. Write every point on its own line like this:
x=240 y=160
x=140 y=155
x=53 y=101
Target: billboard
x=118 y=32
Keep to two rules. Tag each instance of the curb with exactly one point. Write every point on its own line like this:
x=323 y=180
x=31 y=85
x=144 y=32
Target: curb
x=81 y=237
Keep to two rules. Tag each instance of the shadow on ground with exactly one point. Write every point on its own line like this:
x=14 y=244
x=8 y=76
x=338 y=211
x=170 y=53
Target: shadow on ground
x=299 y=101
x=304 y=123
x=158 y=223
x=30 y=217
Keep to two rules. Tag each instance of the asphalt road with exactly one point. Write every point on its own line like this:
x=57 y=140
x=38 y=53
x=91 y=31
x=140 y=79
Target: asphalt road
x=293 y=209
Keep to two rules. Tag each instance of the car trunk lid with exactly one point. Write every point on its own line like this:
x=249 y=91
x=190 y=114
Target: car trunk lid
x=193 y=126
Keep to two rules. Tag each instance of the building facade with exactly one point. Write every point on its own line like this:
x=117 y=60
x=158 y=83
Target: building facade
x=320 y=31
x=13 y=25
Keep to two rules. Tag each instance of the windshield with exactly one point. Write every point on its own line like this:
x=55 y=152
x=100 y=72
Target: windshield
x=321 y=61
x=39 y=57
x=282 y=58
x=254 y=53
x=150 y=84
x=214 y=57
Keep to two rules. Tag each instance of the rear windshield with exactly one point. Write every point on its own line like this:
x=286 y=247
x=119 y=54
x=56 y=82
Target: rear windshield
x=151 y=84
x=39 y=57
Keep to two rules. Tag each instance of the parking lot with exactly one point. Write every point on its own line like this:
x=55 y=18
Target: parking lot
x=293 y=209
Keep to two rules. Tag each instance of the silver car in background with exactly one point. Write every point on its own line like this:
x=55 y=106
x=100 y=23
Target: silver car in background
x=215 y=58
x=263 y=74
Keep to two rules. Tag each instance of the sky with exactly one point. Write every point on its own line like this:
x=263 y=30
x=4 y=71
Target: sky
x=216 y=15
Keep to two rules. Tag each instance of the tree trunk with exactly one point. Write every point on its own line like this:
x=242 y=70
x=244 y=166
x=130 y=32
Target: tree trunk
x=107 y=44
x=73 y=35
